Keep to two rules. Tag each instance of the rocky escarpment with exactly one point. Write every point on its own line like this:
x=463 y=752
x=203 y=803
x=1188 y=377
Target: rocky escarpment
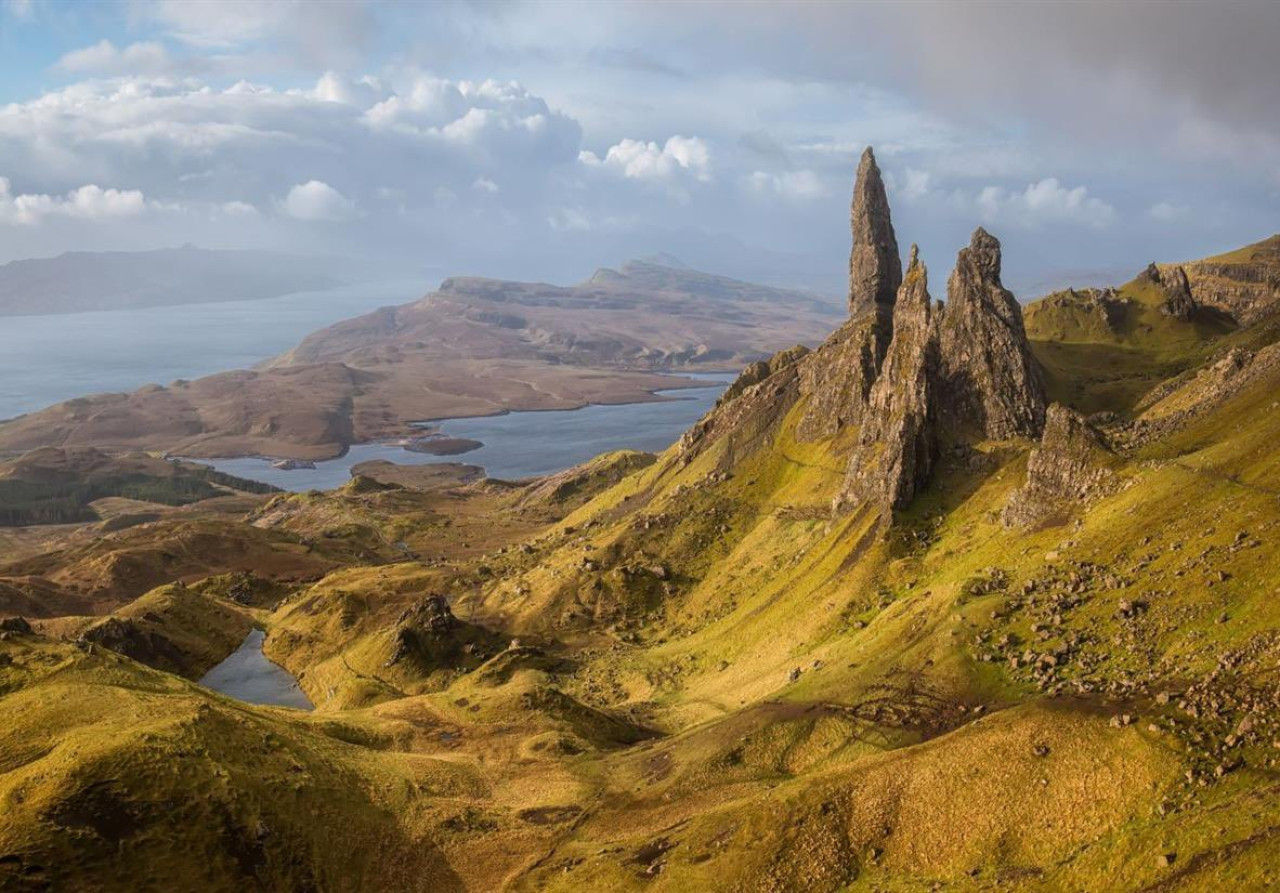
x=898 y=444
x=989 y=383
x=1172 y=281
x=1070 y=468
x=1244 y=283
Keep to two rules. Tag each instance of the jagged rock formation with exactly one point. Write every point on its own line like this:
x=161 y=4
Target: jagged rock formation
x=840 y=388
x=758 y=371
x=875 y=268
x=839 y=382
x=1178 y=302
x=898 y=444
x=989 y=381
x=904 y=382
x=1070 y=468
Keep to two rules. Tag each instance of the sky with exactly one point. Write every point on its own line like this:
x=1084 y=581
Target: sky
x=544 y=140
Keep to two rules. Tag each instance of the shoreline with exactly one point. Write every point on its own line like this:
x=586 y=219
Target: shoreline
x=391 y=441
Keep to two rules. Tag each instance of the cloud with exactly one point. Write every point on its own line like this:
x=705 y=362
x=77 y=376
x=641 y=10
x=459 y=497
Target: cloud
x=23 y=10
x=1046 y=201
x=317 y=200
x=104 y=58
x=796 y=185
x=1167 y=212
x=89 y=202
x=637 y=160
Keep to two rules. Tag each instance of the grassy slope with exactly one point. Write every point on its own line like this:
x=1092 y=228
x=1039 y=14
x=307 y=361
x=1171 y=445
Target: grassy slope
x=909 y=750
x=1091 y=366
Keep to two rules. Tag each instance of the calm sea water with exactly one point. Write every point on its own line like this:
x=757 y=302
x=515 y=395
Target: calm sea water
x=48 y=359
x=249 y=676
x=518 y=444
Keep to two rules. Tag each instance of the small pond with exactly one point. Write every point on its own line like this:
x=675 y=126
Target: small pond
x=249 y=676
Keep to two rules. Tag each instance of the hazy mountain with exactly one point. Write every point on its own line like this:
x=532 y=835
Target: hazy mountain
x=80 y=281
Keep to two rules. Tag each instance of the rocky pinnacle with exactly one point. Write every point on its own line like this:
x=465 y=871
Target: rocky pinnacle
x=875 y=268
x=989 y=380
x=897 y=443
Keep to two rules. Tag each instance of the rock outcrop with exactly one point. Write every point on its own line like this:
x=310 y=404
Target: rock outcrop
x=989 y=383
x=1069 y=469
x=902 y=378
x=1172 y=281
x=1244 y=284
x=840 y=386
x=897 y=444
x=875 y=267
x=428 y=637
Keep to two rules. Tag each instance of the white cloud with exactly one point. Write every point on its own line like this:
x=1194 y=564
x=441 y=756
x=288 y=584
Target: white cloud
x=104 y=57
x=1046 y=201
x=218 y=23
x=88 y=202
x=1167 y=212
x=637 y=160
x=800 y=185
x=484 y=184
x=915 y=184
x=238 y=209
x=317 y=200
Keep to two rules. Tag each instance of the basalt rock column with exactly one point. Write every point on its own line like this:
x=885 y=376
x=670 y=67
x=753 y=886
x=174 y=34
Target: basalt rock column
x=989 y=383
x=875 y=268
x=839 y=382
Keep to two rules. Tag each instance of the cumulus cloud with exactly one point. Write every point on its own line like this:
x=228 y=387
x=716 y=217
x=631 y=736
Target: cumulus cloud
x=89 y=202
x=637 y=160
x=1046 y=201
x=317 y=200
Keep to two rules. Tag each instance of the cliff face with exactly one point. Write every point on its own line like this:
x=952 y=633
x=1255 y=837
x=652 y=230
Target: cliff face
x=1243 y=283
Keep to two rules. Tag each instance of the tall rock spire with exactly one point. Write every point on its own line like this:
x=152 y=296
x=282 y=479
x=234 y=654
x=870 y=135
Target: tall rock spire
x=897 y=444
x=989 y=380
x=875 y=268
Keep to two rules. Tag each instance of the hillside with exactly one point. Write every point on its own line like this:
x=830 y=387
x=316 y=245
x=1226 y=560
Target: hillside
x=475 y=347
x=81 y=281
x=961 y=598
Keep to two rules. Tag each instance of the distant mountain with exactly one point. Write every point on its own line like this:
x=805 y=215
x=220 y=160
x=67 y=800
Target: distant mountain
x=82 y=281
